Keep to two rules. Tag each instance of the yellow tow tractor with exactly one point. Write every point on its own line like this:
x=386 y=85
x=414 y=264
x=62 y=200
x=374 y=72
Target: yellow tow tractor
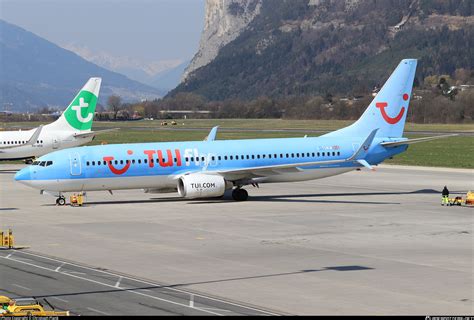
x=25 y=308
x=459 y=201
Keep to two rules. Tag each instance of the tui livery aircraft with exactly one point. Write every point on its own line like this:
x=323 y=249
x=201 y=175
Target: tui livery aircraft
x=204 y=169
x=72 y=129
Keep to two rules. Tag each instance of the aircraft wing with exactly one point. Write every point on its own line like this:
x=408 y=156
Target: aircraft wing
x=30 y=142
x=262 y=171
x=412 y=141
x=93 y=133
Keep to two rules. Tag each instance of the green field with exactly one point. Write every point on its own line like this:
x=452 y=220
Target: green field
x=454 y=152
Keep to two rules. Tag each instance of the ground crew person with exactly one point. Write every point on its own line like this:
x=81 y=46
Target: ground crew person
x=445 y=196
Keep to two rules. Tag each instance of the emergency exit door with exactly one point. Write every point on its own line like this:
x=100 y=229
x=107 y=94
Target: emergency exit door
x=75 y=161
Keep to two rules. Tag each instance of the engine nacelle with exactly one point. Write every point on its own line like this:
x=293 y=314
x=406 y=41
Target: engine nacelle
x=198 y=185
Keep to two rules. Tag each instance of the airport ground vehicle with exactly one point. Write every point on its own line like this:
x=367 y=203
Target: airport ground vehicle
x=459 y=201
x=26 y=307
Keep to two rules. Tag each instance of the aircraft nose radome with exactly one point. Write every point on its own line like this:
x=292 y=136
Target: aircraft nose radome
x=23 y=175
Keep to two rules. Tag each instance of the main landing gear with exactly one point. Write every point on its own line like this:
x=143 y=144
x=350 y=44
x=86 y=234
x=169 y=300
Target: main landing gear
x=61 y=201
x=240 y=194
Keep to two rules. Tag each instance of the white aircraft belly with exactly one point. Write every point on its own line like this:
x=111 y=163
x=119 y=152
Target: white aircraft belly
x=98 y=184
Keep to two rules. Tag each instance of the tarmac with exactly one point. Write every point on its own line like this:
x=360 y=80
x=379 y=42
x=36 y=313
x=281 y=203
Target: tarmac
x=359 y=243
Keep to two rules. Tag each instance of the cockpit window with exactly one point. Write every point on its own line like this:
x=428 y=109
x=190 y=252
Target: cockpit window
x=35 y=163
x=48 y=163
x=42 y=163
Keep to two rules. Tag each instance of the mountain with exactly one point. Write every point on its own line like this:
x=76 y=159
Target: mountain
x=149 y=73
x=36 y=72
x=168 y=79
x=320 y=47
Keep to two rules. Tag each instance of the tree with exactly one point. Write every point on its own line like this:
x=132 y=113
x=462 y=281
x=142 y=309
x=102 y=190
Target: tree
x=114 y=104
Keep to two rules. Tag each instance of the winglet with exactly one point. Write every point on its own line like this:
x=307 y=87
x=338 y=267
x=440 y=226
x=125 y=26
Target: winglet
x=212 y=134
x=364 y=148
x=34 y=137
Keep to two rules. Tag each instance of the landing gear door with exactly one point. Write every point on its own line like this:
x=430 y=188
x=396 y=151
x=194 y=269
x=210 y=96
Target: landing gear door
x=75 y=161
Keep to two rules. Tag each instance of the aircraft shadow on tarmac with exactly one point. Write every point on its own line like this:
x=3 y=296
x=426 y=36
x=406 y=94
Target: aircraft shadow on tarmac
x=178 y=285
x=302 y=198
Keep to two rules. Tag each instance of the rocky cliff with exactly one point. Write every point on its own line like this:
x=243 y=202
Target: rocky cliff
x=224 y=21
x=299 y=47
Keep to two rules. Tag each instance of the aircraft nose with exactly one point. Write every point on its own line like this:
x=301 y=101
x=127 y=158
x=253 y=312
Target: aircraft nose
x=23 y=175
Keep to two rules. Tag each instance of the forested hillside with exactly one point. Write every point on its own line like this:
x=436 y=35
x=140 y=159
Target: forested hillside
x=302 y=47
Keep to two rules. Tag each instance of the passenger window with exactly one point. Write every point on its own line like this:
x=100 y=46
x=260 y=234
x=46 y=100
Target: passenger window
x=219 y=158
x=338 y=153
x=87 y=163
x=93 y=163
x=213 y=158
x=253 y=156
x=287 y=155
x=258 y=156
x=297 y=155
x=248 y=157
x=202 y=159
x=231 y=158
x=225 y=157
x=263 y=156
x=292 y=155
x=192 y=159
x=237 y=157
x=133 y=161
x=140 y=161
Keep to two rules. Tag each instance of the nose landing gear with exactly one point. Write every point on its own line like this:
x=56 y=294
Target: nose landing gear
x=239 y=194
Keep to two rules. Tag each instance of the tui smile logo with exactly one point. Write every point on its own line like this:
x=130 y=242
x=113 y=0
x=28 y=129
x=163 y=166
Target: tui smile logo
x=386 y=117
x=81 y=111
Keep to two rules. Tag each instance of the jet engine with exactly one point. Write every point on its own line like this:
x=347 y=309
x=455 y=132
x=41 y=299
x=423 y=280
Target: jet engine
x=200 y=185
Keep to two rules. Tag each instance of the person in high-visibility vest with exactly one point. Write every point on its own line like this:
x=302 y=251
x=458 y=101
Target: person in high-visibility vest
x=445 y=196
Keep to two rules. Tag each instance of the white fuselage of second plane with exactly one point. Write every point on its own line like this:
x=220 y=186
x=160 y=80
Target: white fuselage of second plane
x=13 y=143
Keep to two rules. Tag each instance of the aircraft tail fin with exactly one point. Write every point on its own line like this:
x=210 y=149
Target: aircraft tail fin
x=79 y=115
x=388 y=110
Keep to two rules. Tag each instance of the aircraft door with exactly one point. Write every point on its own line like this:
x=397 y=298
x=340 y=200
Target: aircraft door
x=56 y=143
x=75 y=161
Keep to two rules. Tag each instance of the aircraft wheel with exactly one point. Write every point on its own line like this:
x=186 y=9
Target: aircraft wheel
x=240 y=194
x=61 y=201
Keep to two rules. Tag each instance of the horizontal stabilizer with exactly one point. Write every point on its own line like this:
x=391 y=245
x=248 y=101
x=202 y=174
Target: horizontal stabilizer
x=412 y=141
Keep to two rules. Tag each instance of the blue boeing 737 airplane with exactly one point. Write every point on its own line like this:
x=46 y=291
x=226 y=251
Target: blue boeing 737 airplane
x=203 y=169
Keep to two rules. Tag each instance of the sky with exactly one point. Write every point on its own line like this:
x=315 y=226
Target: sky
x=146 y=30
